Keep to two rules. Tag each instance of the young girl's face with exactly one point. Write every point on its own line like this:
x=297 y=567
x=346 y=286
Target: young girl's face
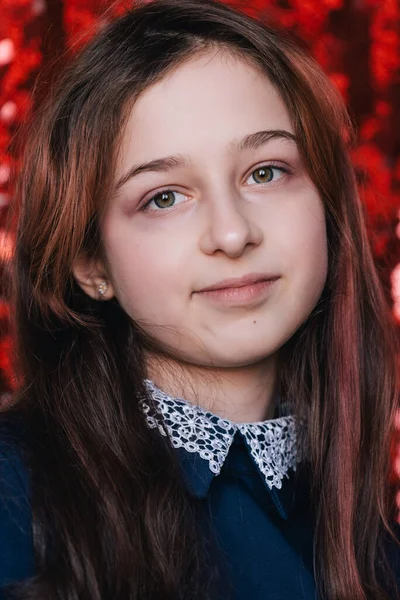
x=213 y=196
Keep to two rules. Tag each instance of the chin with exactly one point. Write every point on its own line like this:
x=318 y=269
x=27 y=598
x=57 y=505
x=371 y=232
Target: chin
x=238 y=354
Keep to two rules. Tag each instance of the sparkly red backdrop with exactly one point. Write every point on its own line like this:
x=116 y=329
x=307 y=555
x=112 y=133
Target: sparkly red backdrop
x=356 y=41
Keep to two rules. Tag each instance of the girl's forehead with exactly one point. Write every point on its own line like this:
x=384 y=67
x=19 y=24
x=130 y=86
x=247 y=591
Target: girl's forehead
x=204 y=104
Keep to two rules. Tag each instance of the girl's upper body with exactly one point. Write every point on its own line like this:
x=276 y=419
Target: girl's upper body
x=257 y=519
x=253 y=493
x=188 y=214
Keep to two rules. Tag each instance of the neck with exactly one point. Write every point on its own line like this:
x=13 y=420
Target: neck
x=241 y=394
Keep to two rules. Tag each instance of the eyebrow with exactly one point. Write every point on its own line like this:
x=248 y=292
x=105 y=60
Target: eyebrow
x=249 y=142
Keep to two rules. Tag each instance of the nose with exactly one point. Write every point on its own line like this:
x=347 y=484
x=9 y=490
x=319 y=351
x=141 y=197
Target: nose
x=230 y=228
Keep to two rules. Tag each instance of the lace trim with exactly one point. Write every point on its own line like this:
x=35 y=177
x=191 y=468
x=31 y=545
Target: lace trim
x=272 y=443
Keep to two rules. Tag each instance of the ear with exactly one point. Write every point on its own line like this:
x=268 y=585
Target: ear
x=91 y=276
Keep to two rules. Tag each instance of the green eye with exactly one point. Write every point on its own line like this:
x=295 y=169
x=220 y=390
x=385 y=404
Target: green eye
x=262 y=175
x=267 y=174
x=164 y=199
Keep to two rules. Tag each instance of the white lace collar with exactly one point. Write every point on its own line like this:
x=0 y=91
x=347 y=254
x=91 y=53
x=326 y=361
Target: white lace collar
x=272 y=443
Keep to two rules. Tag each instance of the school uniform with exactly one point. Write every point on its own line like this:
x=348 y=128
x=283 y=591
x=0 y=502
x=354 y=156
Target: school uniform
x=245 y=476
x=248 y=480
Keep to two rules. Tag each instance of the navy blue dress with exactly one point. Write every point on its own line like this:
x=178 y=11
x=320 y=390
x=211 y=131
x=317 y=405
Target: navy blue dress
x=263 y=524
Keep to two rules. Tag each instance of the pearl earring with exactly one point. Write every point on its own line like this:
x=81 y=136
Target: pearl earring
x=102 y=289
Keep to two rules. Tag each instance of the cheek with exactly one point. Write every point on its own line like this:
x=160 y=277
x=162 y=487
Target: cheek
x=307 y=250
x=296 y=236
x=299 y=228
x=147 y=270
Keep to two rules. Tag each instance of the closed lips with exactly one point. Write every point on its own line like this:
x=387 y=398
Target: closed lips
x=239 y=282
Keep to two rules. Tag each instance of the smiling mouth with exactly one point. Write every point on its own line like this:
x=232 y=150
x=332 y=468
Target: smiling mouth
x=241 y=291
x=238 y=282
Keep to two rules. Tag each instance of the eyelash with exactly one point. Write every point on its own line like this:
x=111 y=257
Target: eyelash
x=286 y=171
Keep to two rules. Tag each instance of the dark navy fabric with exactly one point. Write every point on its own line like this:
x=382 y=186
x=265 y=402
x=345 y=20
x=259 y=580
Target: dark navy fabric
x=263 y=537
x=16 y=539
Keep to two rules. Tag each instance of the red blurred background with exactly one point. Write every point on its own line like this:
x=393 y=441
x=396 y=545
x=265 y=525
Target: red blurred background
x=357 y=42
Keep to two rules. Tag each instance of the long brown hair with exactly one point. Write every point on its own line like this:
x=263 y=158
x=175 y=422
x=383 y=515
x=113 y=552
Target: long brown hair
x=111 y=516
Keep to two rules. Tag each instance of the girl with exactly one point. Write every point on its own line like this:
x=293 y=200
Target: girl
x=208 y=376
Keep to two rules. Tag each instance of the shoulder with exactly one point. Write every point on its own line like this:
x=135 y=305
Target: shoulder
x=16 y=542
x=13 y=472
x=392 y=551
